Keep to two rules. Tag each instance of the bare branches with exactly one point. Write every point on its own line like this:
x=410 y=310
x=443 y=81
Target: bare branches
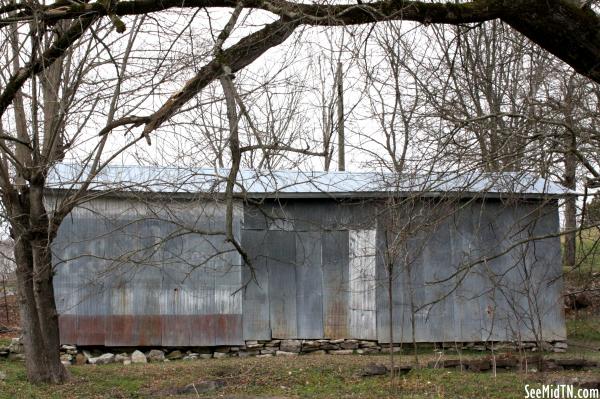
x=236 y=57
x=135 y=121
x=55 y=51
x=314 y=14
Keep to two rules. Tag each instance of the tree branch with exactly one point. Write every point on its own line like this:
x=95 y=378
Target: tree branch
x=54 y=52
x=235 y=57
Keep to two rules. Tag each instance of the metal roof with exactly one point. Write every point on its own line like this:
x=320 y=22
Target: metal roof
x=294 y=183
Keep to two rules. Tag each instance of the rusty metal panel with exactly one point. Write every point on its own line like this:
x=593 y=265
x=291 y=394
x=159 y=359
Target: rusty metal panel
x=195 y=284
x=175 y=300
x=67 y=325
x=362 y=284
x=335 y=284
x=309 y=286
x=228 y=295
x=282 y=284
x=255 y=303
x=87 y=265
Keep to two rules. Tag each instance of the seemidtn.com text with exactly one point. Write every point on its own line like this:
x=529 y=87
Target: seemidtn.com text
x=560 y=391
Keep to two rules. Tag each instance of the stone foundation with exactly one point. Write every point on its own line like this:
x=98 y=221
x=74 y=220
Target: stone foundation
x=71 y=354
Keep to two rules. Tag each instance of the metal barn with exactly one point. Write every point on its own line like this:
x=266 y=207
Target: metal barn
x=464 y=258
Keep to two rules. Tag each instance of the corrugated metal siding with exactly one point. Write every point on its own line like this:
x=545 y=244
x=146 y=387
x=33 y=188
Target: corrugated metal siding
x=148 y=278
x=319 y=274
x=255 y=313
x=335 y=284
x=282 y=283
x=309 y=284
x=362 y=283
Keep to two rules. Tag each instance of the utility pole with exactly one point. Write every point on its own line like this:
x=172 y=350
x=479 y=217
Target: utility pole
x=340 y=112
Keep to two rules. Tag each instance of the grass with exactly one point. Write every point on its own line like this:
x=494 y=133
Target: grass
x=586 y=329
x=323 y=376
x=588 y=251
x=319 y=376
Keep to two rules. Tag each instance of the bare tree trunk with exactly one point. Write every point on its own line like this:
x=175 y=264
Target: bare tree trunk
x=340 y=111
x=39 y=316
x=391 y=315
x=569 y=180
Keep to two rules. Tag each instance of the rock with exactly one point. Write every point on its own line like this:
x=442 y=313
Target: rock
x=386 y=349
x=308 y=346
x=121 y=357
x=2 y=376
x=290 y=345
x=16 y=356
x=336 y=341
x=329 y=347
x=402 y=369
x=284 y=353
x=87 y=356
x=318 y=352
x=265 y=355
x=191 y=356
x=372 y=369
x=200 y=387
x=107 y=358
x=223 y=349
x=66 y=357
x=65 y=362
x=349 y=344
x=138 y=357
x=559 y=350
x=206 y=355
x=175 y=355
x=155 y=355
x=126 y=362
x=367 y=344
x=80 y=359
x=273 y=343
x=580 y=300
x=16 y=346
x=342 y=352
x=367 y=351
x=220 y=355
x=248 y=353
x=561 y=345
